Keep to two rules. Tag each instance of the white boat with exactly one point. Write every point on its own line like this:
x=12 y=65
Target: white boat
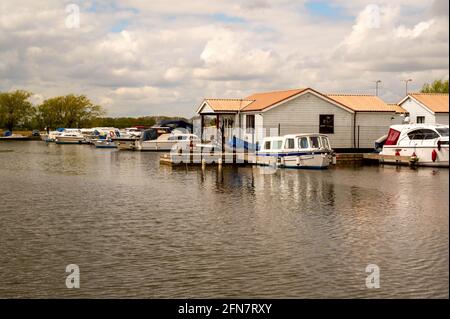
x=70 y=136
x=296 y=151
x=104 y=143
x=126 y=139
x=159 y=139
x=51 y=136
x=91 y=135
x=427 y=144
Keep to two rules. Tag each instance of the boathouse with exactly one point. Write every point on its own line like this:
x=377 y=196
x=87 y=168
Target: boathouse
x=428 y=108
x=350 y=121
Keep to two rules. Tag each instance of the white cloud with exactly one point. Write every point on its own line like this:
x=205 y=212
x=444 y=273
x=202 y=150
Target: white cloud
x=165 y=58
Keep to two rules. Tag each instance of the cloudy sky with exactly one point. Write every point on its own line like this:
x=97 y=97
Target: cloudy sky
x=162 y=57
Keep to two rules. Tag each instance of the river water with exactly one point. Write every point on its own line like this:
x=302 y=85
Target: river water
x=140 y=230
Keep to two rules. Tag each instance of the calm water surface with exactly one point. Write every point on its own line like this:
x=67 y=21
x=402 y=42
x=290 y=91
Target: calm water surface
x=138 y=229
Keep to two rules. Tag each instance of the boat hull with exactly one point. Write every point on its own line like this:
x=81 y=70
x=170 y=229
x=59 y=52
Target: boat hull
x=69 y=140
x=423 y=154
x=300 y=160
x=154 y=146
x=126 y=144
x=105 y=144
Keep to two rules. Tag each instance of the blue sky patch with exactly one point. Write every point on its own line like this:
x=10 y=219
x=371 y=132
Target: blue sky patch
x=326 y=10
x=227 y=19
x=120 y=26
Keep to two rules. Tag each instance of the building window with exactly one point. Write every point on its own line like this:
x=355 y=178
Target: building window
x=420 y=119
x=326 y=123
x=250 y=123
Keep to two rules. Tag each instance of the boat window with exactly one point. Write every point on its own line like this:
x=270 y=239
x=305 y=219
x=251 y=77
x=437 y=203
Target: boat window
x=290 y=143
x=314 y=142
x=423 y=134
x=325 y=143
x=267 y=145
x=276 y=145
x=303 y=142
x=443 y=131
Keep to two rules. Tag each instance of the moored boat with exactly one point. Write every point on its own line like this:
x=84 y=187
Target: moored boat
x=70 y=136
x=425 y=144
x=163 y=139
x=105 y=143
x=296 y=151
x=14 y=137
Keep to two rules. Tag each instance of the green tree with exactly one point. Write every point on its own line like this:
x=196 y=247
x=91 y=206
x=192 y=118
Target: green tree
x=15 y=109
x=68 y=111
x=438 y=86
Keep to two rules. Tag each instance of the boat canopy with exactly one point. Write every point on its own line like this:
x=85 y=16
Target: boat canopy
x=392 y=137
x=180 y=124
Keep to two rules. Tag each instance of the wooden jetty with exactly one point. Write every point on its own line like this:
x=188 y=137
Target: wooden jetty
x=222 y=159
x=393 y=159
x=207 y=159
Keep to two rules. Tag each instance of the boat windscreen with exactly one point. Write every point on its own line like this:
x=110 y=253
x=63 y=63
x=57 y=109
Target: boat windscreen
x=150 y=135
x=392 y=138
x=443 y=131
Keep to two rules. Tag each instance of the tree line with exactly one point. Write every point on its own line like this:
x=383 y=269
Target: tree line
x=70 y=111
x=77 y=111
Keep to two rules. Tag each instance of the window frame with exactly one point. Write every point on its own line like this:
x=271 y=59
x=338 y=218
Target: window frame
x=422 y=119
x=300 y=145
x=279 y=143
x=318 y=141
x=286 y=144
x=325 y=128
x=250 y=124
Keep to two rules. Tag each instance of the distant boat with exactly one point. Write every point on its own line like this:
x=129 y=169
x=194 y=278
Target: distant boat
x=70 y=136
x=126 y=139
x=9 y=136
x=163 y=139
x=51 y=136
x=104 y=144
x=296 y=151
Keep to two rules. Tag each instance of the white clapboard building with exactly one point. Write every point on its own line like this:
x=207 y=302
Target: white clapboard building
x=350 y=121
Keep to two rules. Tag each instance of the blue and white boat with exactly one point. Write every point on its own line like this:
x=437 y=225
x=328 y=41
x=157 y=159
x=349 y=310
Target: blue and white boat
x=296 y=151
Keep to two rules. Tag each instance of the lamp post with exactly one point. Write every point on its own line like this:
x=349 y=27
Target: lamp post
x=377 y=82
x=406 y=85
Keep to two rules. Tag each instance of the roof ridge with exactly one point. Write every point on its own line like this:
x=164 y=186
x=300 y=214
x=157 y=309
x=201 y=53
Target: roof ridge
x=227 y=99
x=349 y=94
x=427 y=93
x=280 y=91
